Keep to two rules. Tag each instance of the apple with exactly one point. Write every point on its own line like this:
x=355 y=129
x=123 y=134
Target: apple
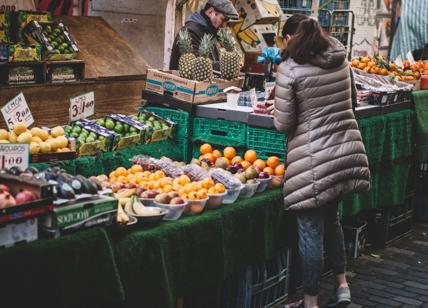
x=25 y=196
x=238 y=165
x=4 y=188
x=263 y=175
x=173 y=194
x=146 y=195
x=130 y=186
x=232 y=169
x=177 y=200
x=163 y=199
x=140 y=190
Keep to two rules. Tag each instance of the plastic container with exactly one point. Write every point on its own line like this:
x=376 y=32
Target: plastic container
x=194 y=207
x=232 y=195
x=174 y=211
x=148 y=201
x=249 y=190
x=264 y=183
x=215 y=200
x=277 y=181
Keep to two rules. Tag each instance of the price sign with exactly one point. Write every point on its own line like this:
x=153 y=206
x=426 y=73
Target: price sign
x=14 y=155
x=253 y=97
x=410 y=58
x=82 y=106
x=17 y=111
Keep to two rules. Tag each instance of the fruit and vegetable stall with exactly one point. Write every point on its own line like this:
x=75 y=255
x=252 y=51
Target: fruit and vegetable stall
x=176 y=200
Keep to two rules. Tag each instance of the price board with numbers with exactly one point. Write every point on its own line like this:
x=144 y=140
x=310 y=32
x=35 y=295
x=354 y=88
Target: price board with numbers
x=82 y=106
x=14 y=155
x=17 y=110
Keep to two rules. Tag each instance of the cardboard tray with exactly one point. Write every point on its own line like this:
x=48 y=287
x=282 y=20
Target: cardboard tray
x=224 y=111
x=195 y=92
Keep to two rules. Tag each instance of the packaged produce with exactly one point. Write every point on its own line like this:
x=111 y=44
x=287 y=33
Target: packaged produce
x=55 y=39
x=4 y=26
x=25 y=17
x=91 y=138
x=226 y=178
x=169 y=167
x=158 y=128
x=131 y=132
x=195 y=172
x=262 y=107
x=147 y=162
x=25 y=53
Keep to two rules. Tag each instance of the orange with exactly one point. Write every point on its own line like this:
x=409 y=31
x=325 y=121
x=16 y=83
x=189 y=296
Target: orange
x=236 y=159
x=207 y=183
x=209 y=156
x=259 y=163
x=217 y=154
x=365 y=60
x=384 y=71
x=355 y=63
x=131 y=177
x=206 y=148
x=245 y=164
x=280 y=170
x=371 y=63
x=121 y=171
x=269 y=170
x=112 y=174
x=136 y=168
x=361 y=65
x=212 y=191
x=201 y=157
x=273 y=161
x=167 y=188
x=229 y=152
x=202 y=193
x=374 y=70
x=122 y=179
x=250 y=156
x=219 y=188
x=183 y=179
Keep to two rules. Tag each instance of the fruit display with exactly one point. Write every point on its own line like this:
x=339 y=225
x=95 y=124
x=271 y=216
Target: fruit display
x=378 y=65
x=203 y=64
x=169 y=167
x=91 y=138
x=186 y=63
x=40 y=140
x=230 y=60
x=55 y=38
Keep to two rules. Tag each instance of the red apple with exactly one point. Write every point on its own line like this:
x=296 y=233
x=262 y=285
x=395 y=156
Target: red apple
x=177 y=200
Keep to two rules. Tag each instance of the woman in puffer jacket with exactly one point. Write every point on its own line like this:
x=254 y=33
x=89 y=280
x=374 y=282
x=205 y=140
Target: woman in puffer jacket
x=326 y=157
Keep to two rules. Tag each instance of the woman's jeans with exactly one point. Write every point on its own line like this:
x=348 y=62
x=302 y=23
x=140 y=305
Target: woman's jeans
x=316 y=227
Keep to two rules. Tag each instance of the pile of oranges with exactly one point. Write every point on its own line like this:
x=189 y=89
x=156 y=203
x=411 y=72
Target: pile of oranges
x=158 y=181
x=272 y=165
x=378 y=65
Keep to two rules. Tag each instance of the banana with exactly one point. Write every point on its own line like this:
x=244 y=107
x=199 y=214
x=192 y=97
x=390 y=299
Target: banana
x=123 y=201
x=122 y=218
x=125 y=193
x=138 y=207
x=128 y=205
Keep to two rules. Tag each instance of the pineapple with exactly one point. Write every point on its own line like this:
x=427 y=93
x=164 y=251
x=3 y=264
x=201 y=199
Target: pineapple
x=203 y=64
x=186 y=63
x=230 y=61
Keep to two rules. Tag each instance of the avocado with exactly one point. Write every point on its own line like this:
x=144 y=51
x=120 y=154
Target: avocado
x=65 y=191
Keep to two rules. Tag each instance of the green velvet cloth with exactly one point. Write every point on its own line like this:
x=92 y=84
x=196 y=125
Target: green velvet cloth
x=373 y=132
x=420 y=98
x=178 y=258
x=77 y=270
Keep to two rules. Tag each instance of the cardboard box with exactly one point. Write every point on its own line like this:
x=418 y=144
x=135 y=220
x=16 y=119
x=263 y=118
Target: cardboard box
x=157 y=134
x=99 y=210
x=257 y=37
x=258 y=11
x=25 y=53
x=196 y=92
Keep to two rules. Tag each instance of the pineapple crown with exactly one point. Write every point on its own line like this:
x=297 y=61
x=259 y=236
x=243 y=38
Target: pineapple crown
x=184 y=41
x=226 y=40
x=206 y=45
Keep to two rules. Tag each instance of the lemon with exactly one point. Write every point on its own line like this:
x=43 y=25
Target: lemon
x=34 y=148
x=57 y=131
x=62 y=141
x=35 y=131
x=53 y=143
x=36 y=139
x=66 y=150
x=43 y=134
x=4 y=134
x=12 y=137
x=45 y=147
x=19 y=128
x=25 y=138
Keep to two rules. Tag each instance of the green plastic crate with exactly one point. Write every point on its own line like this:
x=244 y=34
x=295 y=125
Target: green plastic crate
x=182 y=118
x=266 y=142
x=184 y=145
x=220 y=132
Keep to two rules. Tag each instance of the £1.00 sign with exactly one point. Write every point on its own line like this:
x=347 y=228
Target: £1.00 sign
x=14 y=155
x=17 y=110
x=82 y=106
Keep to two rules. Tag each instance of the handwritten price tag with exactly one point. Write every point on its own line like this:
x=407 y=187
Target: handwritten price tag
x=14 y=155
x=82 y=106
x=17 y=110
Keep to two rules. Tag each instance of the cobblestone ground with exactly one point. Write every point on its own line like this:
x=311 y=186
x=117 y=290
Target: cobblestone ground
x=396 y=276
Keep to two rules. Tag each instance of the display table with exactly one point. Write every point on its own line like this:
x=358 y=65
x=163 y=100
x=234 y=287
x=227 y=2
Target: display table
x=154 y=266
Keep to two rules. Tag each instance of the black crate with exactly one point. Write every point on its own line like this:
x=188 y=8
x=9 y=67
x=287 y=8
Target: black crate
x=10 y=73
x=389 y=224
x=65 y=71
x=355 y=233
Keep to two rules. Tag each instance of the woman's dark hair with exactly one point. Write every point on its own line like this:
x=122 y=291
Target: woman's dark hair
x=292 y=23
x=308 y=40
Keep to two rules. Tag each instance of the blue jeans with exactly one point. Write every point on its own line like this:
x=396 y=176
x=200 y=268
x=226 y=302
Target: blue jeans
x=316 y=227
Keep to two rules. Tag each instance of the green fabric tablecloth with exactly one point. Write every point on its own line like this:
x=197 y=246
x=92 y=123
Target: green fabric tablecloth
x=178 y=258
x=420 y=98
x=77 y=270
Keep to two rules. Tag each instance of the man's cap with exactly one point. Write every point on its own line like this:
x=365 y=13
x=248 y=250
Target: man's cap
x=226 y=7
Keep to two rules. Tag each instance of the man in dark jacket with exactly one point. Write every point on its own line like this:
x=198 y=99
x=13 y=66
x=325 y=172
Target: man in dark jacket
x=214 y=16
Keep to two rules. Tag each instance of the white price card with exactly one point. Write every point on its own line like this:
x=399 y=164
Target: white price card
x=82 y=106
x=410 y=58
x=14 y=154
x=253 y=97
x=17 y=110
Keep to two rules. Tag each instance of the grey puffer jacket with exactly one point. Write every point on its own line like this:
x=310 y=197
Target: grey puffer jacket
x=326 y=157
